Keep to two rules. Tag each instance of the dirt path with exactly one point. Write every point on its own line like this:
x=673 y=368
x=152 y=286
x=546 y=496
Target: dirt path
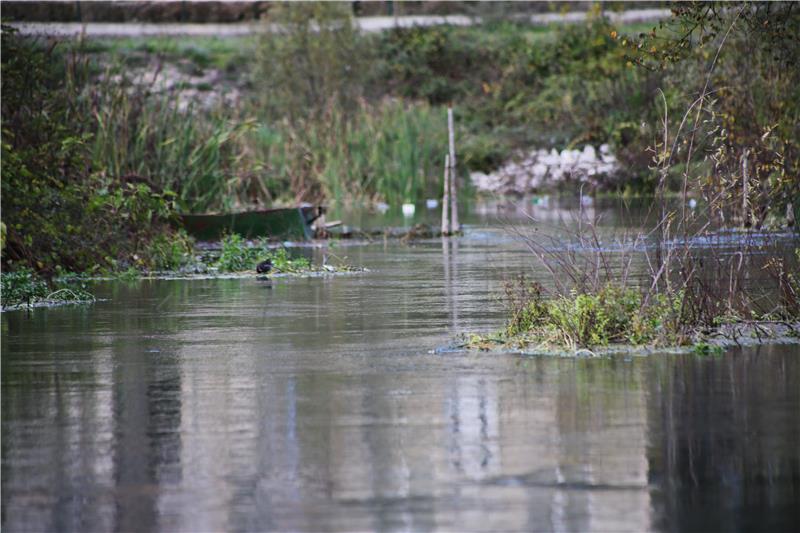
x=366 y=24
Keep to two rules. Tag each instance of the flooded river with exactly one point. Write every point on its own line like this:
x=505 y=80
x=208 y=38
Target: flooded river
x=317 y=405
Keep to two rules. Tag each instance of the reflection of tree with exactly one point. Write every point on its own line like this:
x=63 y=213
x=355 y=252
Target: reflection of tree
x=147 y=405
x=56 y=424
x=726 y=442
x=601 y=442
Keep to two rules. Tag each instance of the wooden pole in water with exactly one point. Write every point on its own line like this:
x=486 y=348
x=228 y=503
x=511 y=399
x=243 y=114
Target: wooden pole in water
x=446 y=197
x=454 y=226
x=745 y=187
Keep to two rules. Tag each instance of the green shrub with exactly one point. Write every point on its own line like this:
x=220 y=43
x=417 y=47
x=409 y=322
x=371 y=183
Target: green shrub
x=526 y=305
x=22 y=286
x=282 y=262
x=237 y=256
x=58 y=208
x=579 y=320
x=515 y=87
x=169 y=251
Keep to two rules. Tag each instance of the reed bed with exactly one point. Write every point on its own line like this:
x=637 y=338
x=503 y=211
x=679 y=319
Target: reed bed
x=221 y=159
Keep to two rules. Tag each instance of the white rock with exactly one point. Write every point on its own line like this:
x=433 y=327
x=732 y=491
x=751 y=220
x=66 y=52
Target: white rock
x=539 y=168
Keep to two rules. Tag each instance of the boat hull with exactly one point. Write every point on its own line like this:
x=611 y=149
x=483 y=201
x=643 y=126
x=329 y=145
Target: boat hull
x=293 y=223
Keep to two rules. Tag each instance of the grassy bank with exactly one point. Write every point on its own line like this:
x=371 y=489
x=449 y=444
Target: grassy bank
x=514 y=87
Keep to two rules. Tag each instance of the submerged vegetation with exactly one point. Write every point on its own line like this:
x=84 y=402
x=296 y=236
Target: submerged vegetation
x=23 y=288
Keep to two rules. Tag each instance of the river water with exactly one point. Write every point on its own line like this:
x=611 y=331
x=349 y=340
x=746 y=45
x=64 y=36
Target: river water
x=318 y=405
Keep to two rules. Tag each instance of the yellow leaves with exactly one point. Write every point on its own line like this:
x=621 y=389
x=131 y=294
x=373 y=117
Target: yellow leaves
x=614 y=34
x=652 y=49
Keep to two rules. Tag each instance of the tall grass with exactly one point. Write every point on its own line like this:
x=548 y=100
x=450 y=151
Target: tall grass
x=223 y=159
x=390 y=151
x=196 y=154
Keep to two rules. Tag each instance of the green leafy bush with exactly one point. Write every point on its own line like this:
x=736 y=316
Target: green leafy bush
x=22 y=286
x=59 y=209
x=282 y=262
x=516 y=87
x=579 y=320
x=169 y=251
x=237 y=256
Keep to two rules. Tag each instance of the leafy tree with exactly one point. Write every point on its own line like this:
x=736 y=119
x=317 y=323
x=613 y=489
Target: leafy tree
x=58 y=209
x=740 y=68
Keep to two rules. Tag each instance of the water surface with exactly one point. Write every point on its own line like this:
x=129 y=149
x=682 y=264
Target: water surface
x=315 y=404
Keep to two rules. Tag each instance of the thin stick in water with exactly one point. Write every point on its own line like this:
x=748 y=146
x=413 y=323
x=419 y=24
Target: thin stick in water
x=745 y=189
x=446 y=197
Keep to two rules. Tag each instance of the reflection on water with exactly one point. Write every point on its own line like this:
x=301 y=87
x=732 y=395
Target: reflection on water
x=725 y=450
x=315 y=405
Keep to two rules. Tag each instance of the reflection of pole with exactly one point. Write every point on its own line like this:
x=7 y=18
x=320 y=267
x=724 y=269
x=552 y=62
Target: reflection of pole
x=446 y=198
x=446 y=263
x=454 y=291
x=454 y=227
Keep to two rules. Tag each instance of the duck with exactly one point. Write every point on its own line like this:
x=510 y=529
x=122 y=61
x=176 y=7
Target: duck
x=264 y=267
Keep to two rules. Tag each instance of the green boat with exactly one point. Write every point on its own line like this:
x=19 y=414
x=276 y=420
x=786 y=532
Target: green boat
x=291 y=223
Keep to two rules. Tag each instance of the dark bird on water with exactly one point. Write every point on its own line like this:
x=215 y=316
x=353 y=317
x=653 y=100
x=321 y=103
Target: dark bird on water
x=264 y=267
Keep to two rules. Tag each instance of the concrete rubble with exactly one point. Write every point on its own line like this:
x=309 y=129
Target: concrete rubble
x=542 y=170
